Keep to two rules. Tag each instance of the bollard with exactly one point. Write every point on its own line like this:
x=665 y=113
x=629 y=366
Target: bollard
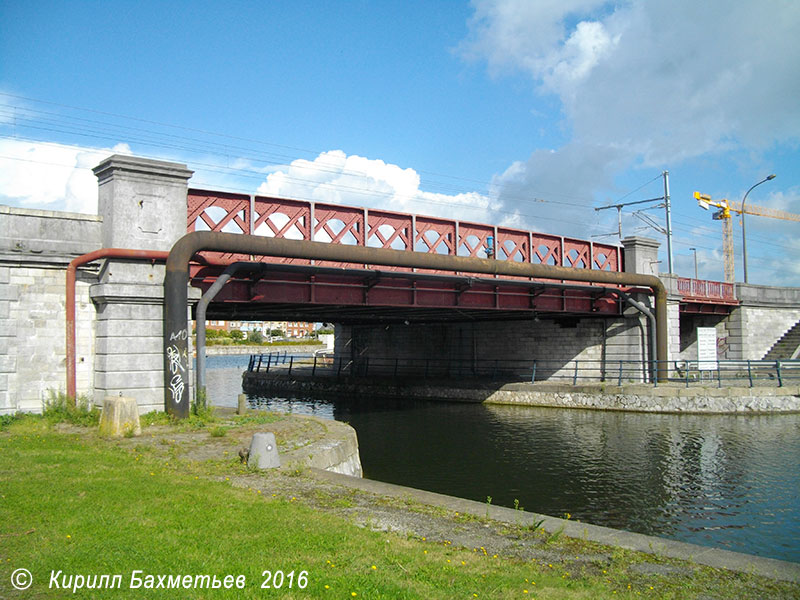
x=120 y=417
x=264 y=451
x=242 y=406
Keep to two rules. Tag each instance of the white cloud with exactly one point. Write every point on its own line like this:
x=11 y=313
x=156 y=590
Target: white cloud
x=644 y=84
x=567 y=179
x=672 y=79
x=336 y=178
x=53 y=176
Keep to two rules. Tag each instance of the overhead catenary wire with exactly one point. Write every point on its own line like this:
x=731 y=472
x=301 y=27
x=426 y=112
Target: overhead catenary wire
x=230 y=154
x=199 y=145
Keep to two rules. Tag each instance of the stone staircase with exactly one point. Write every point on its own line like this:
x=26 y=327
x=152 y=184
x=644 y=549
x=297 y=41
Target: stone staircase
x=787 y=346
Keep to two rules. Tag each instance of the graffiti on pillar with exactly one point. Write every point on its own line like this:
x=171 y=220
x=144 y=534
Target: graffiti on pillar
x=722 y=347
x=175 y=362
x=176 y=386
x=175 y=359
x=182 y=334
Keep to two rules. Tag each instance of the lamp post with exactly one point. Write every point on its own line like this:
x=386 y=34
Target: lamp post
x=744 y=237
x=695 y=262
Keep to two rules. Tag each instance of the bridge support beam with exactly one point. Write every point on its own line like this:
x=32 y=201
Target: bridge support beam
x=176 y=283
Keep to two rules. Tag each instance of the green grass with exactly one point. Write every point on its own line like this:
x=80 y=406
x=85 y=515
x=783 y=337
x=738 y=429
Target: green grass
x=83 y=505
x=60 y=408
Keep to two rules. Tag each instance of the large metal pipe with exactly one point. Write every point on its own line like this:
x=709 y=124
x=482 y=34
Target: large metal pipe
x=176 y=282
x=645 y=310
x=200 y=318
x=120 y=253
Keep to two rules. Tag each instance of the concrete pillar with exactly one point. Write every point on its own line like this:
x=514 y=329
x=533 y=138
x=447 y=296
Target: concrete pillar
x=143 y=205
x=640 y=255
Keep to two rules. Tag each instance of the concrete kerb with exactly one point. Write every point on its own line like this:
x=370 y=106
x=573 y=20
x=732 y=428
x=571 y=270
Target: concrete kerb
x=701 y=555
x=336 y=451
x=671 y=398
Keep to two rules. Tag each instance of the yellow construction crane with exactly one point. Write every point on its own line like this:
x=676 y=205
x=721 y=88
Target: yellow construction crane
x=724 y=214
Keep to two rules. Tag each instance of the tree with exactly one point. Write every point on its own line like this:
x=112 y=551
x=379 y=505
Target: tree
x=255 y=337
x=237 y=335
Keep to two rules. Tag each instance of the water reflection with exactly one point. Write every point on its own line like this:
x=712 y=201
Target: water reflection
x=724 y=481
x=729 y=482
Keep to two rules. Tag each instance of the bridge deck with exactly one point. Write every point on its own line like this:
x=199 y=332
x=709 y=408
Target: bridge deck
x=356 y=292
x=337 y=291
x=295 y=292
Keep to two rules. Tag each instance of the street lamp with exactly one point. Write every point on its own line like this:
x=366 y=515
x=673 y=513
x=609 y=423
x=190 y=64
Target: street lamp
x=695 y=262
x=744 y=238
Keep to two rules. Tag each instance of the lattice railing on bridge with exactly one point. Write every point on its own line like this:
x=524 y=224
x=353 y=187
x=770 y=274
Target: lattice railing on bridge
x=706 y=290
x=333 y=223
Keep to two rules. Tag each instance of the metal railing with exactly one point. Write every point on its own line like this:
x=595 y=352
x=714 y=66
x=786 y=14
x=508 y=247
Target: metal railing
x=711 y=290
x=259 y=361
x=722 y=373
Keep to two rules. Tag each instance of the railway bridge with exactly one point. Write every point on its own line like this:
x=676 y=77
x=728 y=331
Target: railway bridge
x=83 y=301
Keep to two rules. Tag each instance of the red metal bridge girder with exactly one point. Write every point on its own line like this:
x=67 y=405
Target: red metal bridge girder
x=295 y=219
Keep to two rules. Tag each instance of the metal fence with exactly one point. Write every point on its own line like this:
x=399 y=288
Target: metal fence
x=722 y=373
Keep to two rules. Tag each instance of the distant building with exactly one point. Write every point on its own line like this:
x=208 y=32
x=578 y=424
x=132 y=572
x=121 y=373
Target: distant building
x=295 y=329
x=290 y=329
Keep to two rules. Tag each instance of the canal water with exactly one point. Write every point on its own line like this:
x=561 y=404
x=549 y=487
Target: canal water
x=731 y=482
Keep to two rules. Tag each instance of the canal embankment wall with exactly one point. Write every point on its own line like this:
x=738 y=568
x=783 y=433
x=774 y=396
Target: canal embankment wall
x=701 y=555
x=639 y=398
x=335 y=452
x=224 y=350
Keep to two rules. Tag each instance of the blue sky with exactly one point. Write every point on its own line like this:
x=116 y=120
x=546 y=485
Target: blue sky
x=523 y=113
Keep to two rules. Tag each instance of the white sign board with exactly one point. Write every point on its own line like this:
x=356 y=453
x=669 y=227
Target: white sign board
x=706 y=348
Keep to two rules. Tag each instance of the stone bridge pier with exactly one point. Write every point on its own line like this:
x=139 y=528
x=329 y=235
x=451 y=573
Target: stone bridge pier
x=143 y=207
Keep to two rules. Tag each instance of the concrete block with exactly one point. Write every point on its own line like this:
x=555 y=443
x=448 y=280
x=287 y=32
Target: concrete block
x=144 y=397
x=129 y=362
x=264 y=451
x=142 y=202
x=8 y=364
x=9 y=292
x=126 y=380
x=23 y=278
x=141 y=285
x=129 y=329
x=123 y=345
x=7 y=404
x=120 y=417
x=138 y=312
